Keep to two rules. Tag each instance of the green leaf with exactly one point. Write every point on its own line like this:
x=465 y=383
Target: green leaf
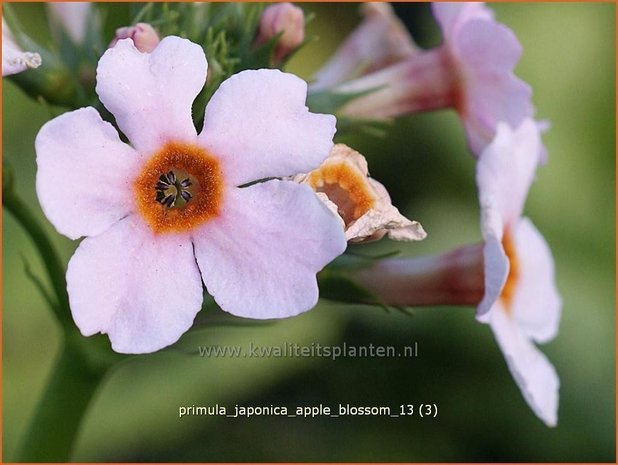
x=39 y=284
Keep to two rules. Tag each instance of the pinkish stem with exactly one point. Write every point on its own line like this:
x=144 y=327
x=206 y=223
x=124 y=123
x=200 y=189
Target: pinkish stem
x=454 y=278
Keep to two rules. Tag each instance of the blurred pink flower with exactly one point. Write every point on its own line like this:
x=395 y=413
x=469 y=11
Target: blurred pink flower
x=521 y=302
x=284 y=18
x=380 y=40
x=510 y=278
x=71 y=17
x=14 y=59
x=143 y=36
x=164 y=214
x=471 y=72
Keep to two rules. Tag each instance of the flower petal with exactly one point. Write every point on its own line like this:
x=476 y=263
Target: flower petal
x=493 y=97
x=496 y=270
x=151 y=94
x=487 y=52
x=14 y=59
x=536 y=303
x=258 y=125
x=259 y=259
x=84 y=176
x=506 y=168
x=487 y=45
x=144 y=290
x=534 y=374
x=452 y=16
x=383 y=219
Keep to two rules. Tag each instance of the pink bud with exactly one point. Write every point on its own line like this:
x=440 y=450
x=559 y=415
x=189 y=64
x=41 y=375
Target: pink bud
x=143 y=36
x=286 y=18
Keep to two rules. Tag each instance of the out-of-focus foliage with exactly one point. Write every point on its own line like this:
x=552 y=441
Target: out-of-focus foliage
x=569 y=60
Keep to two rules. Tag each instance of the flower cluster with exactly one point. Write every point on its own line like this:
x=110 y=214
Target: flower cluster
x=251 y=207
x=510 y=277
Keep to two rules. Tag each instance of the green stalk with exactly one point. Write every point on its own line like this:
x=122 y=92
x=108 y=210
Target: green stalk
x=51 y=260
x=55 y=425
x=80 y=366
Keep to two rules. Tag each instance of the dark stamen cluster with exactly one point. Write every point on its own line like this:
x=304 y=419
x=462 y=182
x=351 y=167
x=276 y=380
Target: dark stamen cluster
x=169 y=189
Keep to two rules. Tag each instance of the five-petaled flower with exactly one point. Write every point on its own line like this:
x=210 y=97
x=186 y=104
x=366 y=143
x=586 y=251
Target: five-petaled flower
x=176 y=208
x=521 y=303
x=471 y=72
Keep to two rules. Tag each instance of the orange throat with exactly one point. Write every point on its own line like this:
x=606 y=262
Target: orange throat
x=179 y=188
x=508 y=291
x=344 y=187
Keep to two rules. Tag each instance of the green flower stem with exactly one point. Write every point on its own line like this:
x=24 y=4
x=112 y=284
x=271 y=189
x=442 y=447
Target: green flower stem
x=80 y=367
x=51 y=260
x=55 y=425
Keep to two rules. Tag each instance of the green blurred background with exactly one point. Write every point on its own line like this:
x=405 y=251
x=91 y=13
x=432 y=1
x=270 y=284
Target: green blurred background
x=569 y=59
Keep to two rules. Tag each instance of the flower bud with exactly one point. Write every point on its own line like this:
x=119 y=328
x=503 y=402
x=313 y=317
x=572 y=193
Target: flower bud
x=282 y=18
x=143 y=36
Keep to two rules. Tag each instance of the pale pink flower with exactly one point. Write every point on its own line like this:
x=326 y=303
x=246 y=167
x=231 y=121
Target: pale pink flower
x=380 y=40
x=14 y=59
x=165 y=213
x=71 y=17
x=521 y=302
x=287 y=20
x=143 y=36
x=471 y=72
x=363 y=203
x=510 y=278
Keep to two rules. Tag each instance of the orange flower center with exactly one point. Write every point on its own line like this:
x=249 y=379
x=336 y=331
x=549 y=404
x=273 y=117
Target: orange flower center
x=346 y=188
x=510 y=285
x=179 y=188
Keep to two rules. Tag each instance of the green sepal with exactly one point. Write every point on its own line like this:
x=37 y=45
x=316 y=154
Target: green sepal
x=262 y=55
x=374 y=127
x=337 y=284
x=328 y=101
x=351 y=261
